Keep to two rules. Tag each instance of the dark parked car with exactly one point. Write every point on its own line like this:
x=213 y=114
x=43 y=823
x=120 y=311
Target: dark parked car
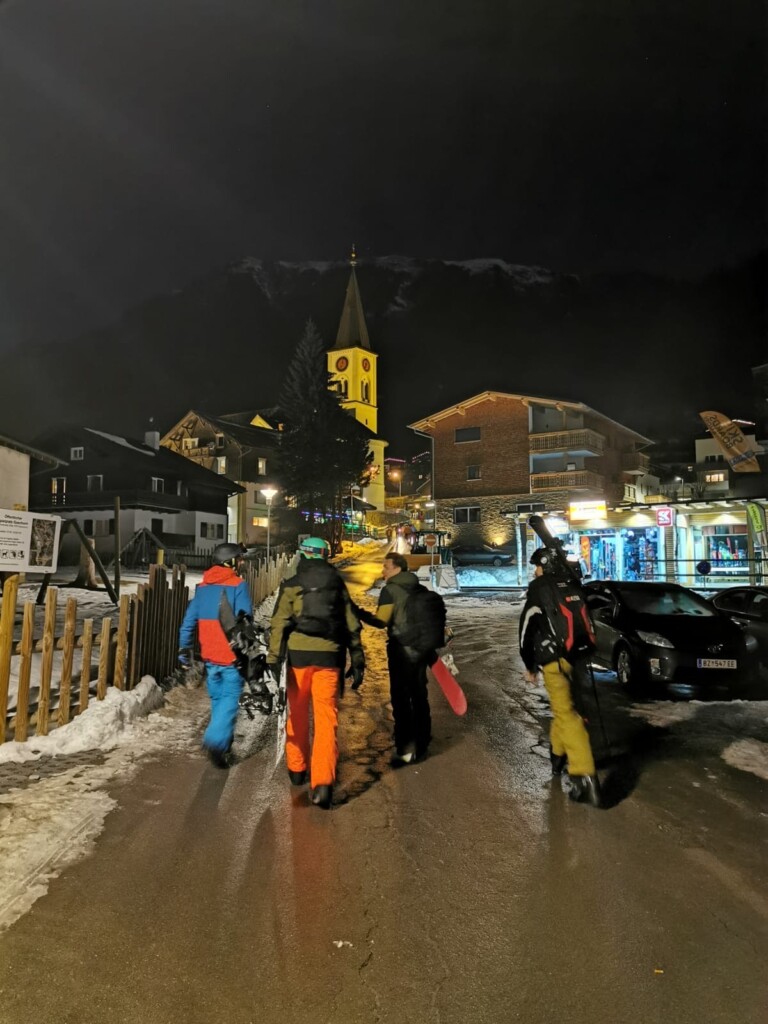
x=664 y=638
x=480 y=554
x=749 y=607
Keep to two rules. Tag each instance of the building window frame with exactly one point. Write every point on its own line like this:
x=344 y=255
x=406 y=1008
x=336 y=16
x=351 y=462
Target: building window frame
x=465 y=514
x=157 y=484
x=76 y=453
x=94 y=483
x=474 y=472
x=467 y=435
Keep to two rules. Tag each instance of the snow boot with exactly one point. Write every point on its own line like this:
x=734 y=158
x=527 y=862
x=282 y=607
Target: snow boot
x=220 y=758
x=298 y=778
x=321 y=796
x=585 y=789
x=406 y=756
x=559 y=762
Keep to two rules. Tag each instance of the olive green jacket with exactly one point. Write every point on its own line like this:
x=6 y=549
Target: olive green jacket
x=303 y=650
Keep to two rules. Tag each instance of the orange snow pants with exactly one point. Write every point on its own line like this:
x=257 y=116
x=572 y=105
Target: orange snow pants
x=321 y=685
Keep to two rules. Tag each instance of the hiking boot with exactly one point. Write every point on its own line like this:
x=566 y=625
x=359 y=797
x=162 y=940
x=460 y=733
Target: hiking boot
x=219 y=758
x=298 y=778
x=559 y=763
x=585 y=789
x=321 y=796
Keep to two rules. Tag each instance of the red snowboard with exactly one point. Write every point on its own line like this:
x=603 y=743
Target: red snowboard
x=447 y=683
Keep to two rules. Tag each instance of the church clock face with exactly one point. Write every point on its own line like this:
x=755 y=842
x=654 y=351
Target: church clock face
x=366 y=365
x=342 y=363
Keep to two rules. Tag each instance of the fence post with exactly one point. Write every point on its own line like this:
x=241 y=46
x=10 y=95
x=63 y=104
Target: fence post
x=118 y=676
x=65 y=689
x=21 y=730
x=85 y=670
x=104 y=640
x=7 y=620
x=46 y=665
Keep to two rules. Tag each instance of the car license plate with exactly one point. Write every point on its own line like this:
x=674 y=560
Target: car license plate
x=716 y=663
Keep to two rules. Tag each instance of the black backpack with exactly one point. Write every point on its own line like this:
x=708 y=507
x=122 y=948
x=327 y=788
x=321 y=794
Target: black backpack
x=566 y=611
x=423 y=627
x=322 y=606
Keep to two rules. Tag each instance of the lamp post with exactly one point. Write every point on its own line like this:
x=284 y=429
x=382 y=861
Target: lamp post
x=269 y=493
x=397 y=475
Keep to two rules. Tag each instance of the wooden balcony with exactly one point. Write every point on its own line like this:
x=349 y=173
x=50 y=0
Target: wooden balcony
x=570 y=442
x=566 y=481
x=636 y=463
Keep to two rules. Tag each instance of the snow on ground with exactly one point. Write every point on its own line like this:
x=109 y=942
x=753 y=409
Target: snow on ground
x=53 y=823
x=487 y=576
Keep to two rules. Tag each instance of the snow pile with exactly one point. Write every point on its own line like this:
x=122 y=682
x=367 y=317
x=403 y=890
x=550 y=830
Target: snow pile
x=488 y=576
x=749 y=756
x=102 y=726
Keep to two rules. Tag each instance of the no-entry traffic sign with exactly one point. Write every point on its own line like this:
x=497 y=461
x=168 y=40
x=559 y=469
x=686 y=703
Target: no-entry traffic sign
x=430 y=540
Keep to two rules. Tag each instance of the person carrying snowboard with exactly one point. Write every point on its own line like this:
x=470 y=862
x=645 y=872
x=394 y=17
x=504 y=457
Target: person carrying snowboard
x=556 y=637
x=401 y=612
x=313 y=625
x=224 y=680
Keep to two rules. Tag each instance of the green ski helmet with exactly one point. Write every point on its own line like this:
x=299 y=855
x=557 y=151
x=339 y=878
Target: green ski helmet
x=315 y=547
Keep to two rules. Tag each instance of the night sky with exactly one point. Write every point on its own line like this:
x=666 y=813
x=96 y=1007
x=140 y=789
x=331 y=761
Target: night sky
x=149 y=142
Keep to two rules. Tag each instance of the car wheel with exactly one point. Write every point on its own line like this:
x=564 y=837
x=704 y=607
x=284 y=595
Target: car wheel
x=497 y=561
x=626 y=670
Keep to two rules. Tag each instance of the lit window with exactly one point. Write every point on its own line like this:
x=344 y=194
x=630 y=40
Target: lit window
x=76 y=454
x=466 y=434
x=58 y=490
x=158 y=485
x=221 y=464
x=473 y=473
x=261 y=468
x=714 y=478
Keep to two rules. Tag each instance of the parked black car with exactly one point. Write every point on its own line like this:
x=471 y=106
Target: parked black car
x=749 y=607
x=480 y=554
x=662 y=638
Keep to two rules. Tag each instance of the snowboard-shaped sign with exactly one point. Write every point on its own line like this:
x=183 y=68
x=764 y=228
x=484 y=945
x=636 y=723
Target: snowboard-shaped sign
x=447 y=683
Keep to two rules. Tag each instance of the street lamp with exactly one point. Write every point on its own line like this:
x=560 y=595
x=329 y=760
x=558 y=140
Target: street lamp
x=397 y=475
x=269 y=493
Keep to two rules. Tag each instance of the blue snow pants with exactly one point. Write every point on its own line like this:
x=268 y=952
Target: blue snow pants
x=225 y=684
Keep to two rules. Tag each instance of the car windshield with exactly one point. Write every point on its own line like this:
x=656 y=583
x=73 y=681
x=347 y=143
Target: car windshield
x=659 y=601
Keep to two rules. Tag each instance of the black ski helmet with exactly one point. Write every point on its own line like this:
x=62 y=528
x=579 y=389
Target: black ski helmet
x=543 y=557
x=227 y=554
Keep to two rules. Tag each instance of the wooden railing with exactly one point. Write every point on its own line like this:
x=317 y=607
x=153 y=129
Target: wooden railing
x=567 y=441
x=144 y=641
x=566 y=480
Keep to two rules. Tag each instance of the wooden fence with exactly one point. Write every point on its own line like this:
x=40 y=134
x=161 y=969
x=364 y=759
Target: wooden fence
x=143 y=642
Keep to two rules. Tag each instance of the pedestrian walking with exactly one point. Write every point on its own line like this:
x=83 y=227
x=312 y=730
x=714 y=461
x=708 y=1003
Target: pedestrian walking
x=313 y=625
x=407 y=664
x=556 y=637
x=203 y=621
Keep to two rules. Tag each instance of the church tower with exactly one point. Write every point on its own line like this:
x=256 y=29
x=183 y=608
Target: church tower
x=352 y=366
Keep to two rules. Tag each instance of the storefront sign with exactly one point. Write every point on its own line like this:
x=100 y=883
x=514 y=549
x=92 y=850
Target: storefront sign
x=28 y=542
x=757 y=523
x=581 y=511
x=665 y=516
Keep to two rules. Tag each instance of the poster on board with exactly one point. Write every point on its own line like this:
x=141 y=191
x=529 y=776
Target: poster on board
x=29 y=541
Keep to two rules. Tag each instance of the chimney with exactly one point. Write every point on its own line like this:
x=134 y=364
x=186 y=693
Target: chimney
x=152 y=439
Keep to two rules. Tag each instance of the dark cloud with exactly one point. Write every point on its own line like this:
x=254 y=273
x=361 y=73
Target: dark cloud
x=146 y=143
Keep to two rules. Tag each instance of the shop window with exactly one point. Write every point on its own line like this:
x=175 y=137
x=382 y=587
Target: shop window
x=467 y=514
x=95 y=482
x=76 y=454
x=474 y=473
x=462 y=434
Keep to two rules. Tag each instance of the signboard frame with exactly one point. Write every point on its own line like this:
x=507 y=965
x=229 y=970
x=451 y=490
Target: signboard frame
x=29 y=541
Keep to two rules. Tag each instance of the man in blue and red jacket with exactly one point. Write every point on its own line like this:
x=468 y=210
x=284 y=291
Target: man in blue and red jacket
x=223 y=679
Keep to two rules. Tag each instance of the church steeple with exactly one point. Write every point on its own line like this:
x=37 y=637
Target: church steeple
x=353 y=332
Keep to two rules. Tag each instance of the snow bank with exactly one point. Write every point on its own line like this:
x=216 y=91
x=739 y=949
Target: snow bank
x=488 y=576
x=102 y=726
x=749 y=756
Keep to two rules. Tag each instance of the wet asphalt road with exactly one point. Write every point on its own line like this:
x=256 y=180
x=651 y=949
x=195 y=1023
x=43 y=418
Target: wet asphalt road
x=466 y=889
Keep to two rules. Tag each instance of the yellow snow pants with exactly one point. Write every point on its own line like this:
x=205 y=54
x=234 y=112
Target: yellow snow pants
x=568 y=734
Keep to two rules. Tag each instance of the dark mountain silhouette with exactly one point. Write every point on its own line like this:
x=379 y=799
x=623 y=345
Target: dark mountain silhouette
x=650 y=353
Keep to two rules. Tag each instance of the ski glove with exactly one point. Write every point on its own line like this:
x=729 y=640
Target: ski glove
x=185 y=657
x=357 y=670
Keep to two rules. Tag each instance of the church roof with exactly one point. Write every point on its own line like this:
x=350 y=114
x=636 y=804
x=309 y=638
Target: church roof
x=353 y=332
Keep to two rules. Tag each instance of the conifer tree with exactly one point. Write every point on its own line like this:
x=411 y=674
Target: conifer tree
x=323 y=449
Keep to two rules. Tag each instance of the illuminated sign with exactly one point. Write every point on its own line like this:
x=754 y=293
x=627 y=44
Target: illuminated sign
x=580 y=511
x=665 y=516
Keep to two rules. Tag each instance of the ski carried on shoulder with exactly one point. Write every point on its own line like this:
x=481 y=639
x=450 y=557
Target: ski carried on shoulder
x=446 y=680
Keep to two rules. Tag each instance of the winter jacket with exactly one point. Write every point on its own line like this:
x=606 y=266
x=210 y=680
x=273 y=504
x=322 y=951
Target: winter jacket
x=302 y=649
x=203 y=613
x=555 y=623
x=392 y=600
